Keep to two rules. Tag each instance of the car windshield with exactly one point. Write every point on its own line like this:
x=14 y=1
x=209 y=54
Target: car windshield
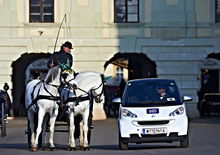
x=151 y=93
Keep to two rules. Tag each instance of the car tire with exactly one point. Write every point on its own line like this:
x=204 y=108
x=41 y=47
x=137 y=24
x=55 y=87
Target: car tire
x=201 y=109
x=202 y=113
x=122 y=145
x=184 y=143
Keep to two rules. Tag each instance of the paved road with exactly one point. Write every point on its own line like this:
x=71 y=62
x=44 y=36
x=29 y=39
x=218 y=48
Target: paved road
x=204 y=139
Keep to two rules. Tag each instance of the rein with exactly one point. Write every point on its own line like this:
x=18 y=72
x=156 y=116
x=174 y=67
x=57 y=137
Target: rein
x=39 y=97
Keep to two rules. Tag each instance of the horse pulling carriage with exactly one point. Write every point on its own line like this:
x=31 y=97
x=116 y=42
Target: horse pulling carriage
x=76 y=99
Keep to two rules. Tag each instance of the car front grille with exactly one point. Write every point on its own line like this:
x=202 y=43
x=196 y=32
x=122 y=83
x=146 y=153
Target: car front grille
x=172 y=134
x=153 y=122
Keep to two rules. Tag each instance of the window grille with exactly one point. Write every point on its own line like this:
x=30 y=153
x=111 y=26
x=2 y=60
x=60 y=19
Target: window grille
x=126 y=11
x=41 y=11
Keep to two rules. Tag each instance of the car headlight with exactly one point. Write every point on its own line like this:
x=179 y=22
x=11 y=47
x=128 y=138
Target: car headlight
x=127 y=113
x=178 y=111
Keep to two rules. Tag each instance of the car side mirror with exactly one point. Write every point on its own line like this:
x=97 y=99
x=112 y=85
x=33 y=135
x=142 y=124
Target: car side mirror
x=187 y=98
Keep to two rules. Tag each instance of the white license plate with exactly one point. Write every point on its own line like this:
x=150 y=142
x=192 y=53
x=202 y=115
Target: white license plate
x=153 y=131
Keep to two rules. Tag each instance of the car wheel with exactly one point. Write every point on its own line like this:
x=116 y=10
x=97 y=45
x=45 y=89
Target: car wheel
x=184 y=143
x=122 y=145
x=202 y=113
x=201 y=109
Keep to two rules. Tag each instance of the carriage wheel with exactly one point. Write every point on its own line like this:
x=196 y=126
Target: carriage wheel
x=89 y=136
x=3 y=121
x=89 y=131
x=90 y=126
x=3 y=128
x=28 y=132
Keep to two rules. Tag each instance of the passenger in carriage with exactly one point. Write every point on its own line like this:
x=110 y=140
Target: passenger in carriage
x=63 y=56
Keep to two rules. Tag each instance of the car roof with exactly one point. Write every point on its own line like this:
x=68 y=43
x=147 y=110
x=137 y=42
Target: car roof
x=151 y=79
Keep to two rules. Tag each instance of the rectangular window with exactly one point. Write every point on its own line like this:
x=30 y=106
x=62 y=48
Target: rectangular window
x=126 y=11
x=217 y=11
x=41 y=11
x=119 y=74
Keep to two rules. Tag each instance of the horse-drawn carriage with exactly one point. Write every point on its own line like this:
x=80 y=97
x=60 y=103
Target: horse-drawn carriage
x=76 y=99
x=4 y=105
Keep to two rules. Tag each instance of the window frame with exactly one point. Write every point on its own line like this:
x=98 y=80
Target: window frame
x=41 y=13
x=119 y=74
x=217 y=17
x=126 y=12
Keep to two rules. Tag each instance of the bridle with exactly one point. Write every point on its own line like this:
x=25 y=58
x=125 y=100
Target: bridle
x=98 y=96
x=91 y=93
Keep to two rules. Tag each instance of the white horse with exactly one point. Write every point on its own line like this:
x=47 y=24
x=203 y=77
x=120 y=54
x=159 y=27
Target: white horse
x=41 y=97
x=89 y=85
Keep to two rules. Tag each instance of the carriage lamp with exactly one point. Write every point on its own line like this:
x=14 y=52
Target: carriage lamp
x=127 y=113
x=6 y=87
x=178 y=111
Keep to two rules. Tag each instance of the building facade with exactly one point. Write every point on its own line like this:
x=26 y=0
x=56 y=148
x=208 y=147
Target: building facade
x=175 y=36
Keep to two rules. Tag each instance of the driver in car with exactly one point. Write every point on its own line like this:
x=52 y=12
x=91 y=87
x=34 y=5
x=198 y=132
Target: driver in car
x=162 y=94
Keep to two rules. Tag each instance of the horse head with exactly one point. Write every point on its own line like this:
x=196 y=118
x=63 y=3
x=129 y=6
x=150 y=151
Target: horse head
x=98 y=92
x=68 y=79
x=53 y=76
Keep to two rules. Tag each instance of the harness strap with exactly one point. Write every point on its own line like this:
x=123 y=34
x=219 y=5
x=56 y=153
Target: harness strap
x=56 y=86
x=39 y=97
x=48 y=90
x=76 y=99
x=32 y=93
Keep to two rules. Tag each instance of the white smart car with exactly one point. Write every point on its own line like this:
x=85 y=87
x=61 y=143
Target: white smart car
x=152 y=110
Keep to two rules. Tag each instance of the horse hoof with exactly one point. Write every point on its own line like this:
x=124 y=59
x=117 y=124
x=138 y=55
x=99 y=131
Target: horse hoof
x=87 y=148
x=34 y=149
x=84 y=148
x=71 y=148
x=52 y=148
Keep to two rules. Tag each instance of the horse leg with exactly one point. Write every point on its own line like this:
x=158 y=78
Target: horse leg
x=85 y=129
x=31 y=124
x=41 y=114
x=81 y=135
x=44 y=147
x=53 y=117
x=71 y=141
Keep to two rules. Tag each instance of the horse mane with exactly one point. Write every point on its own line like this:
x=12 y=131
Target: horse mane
x=86 y=75
x=86 y=79
x=52 y=74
